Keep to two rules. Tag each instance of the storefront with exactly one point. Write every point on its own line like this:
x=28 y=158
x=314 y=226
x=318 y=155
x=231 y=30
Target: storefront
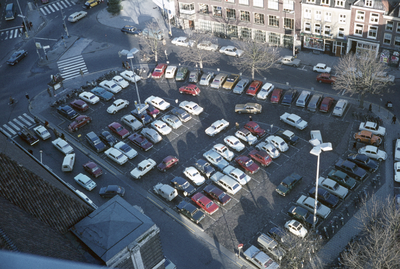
x=314 y=43
x=358 y=46
x=390 y=57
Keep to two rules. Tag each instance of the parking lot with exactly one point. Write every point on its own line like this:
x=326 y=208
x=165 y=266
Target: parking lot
x=257 y=207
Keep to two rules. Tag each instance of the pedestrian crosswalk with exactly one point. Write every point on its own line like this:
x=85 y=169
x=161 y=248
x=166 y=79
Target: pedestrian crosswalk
x=56 y=6
x=11 y=128
x=10 y=33
x=72 y=67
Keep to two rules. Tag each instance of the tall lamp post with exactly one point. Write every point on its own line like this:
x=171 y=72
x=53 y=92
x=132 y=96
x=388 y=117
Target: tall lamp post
x=130 y=55
x=316 y=150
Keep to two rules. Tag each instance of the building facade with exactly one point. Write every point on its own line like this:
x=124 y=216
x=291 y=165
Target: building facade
x=391 y=37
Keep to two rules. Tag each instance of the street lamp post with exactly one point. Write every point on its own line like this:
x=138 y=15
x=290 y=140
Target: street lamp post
x=130 y=56
x=316 y=150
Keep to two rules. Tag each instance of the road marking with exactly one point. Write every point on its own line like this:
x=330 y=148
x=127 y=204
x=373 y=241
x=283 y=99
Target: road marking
x=25 y=121
x=14 y=126
x=4 y=132
x=9 y=129
x=19 y=123
x=61 y=7
x=64 y=5
x=29 y=117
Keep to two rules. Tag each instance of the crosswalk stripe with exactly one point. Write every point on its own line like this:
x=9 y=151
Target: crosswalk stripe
x=29 y=117
x=25 y=121
x=4 y=132
x=19 y=123
x=42 y=10
x=16 y=33
x=9 y=129
x=14 y=126
x=59 y=5
x=72 y=67
x=55 y=7
x=63 y=4
x=6 y=35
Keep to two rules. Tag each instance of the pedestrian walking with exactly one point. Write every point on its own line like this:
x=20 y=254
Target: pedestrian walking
x=355 y=145
x=394 y=119
x=250 y=118
x=127 y=65
x=30 y=25
x=123 y=64
x=370 y=108
x=237 y=125
x=62 y=136
x=27 y=97
x=46 y=123
x=49 y=91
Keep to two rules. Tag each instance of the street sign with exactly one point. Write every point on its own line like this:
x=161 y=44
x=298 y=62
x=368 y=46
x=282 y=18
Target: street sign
x=240 y=246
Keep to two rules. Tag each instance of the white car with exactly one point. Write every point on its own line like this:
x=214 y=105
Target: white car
x=157 y=102
x=234 y=143
x=170 y=71
x=172 y=121
x=142 y=168
x=62 y=146
x=309 y=202
x=110 y=86
x=266 y=89
x=85 y=181
x=397 y=172
x=269 y=148
x=340 y=108
x=89 y=97
x=333 y=187
x=245 y=135
x=152 y=135
x=191 y=107
x=194 y=175
x=397 y=151
x=217 y=127
x=132 y=122
x=322 y=68
x=224 y=151
x=303 y=98
x=161 y=127
x=296 y=228
x=126 y=149
x=237 y=175
x=207 y=45
x=373 y=128
x=294 y=120
x=278 y=142
x=373 y=152
x=116 y=155
x=206 y=78
x=117 y=105
x=42 y=132
x=121 y=82
x=130 y=76
x=231 y=51
x=183 y=41
x=215 y=159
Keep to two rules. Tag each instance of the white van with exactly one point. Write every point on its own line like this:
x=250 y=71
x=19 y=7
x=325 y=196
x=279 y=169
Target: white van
x=165 y=191
x=68 y=163
x=226 y=182
x=74 y=17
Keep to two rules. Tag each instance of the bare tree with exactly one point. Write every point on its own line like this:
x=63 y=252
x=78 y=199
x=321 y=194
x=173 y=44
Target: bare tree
x=152 y=42
x=379 y=246
x=199 y=56
x=357 y=74
x=256 y=57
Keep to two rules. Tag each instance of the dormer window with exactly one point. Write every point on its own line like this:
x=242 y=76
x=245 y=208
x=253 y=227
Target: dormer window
x=369 y=3
x=325 y=2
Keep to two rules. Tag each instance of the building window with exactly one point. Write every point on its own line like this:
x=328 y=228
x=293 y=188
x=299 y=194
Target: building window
x=360 y=15
x=307 y=13
x=203 y=8
x=318 y=15
x=374 y=18
x=217 y=11
x=340 y=33
x=369 y=3
x=328 y=16
x=358 y=29
x=245 y=33
x=398 y=27
x=273 y=4
x=258 y=3
x=325 y=2
x=311 y=1
x=260 y=36
x=317 y=28
x=274 y=39
x=205 y=26
x=372 y=32
x=288 y=4
x=288 y=23
x=244 y=2
x=397 y=41
x=389 y=26
x=231 y=13
x=273 y=21
x=342 y=18
x=230 y=1
x=259 y=18
x=186 y=7
x=307 y=27
x=327 y=30
x=245 y=16
x=232 y=30
x=387 y=39
x=339 y=3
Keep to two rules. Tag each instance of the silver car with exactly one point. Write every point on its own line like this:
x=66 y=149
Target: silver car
x=303 y=98
x=340 y=108
x=218 y=81
x=241 y=86
x=206 y=78
x=172 y=121
x=314 y=102
x=151 y=134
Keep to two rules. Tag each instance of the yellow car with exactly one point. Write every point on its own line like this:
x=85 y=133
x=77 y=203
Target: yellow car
x=91 y=3
x=230 y=82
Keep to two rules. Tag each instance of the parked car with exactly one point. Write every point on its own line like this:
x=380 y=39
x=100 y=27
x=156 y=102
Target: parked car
x=166 y=191
x=251 y=108
x=254 y=87
x=294 y=120
x=111 y=190
x=364 y=162
x=161 y=127
x=158 y=102
x=373 y=128
x=110 y=86
x=143 y=168
x=326 y=104
x=130 y=76
x=126 y=150
x=286 y=186
x=172 y=121
x=117 y=105
x=159 y=70
x=303 y=215
x=79 y=122
x=132 y=122
x=95 y=142
x=218 y=80
x=217 y=194
x=181 y=114
x=322 y=68
x=282 y=237
x=268 y=244
x=397 y=171
x=326 y=78
x=118 y=129
x=340 y=108
x=351 y=169
x=215 y=159
x=194 y=175
x=288 y=136
x=223 y=151
x=89 y=97
x=191 y=107
x=245 y=135
x=217 y=127
x=247 y=164
x=79 y=105
x=85 y=182
x=142 y=116
x=290 y=60
x=190 y=211
x=194 y=76
x=333 y=187
x=268 y=148
x=234 y=143
x=206 y=78
x=343 y=179
x=259 y=258
x=325 y=197
x=231 y=51
x=289 y=97
x=167 y=163
x=368 y=138
x=67 y=112
x=204 y=167
x=373 y=152
x=241 y=86
x=303 y=98
x=278 y=142
x=383 y=77
x=140 y=141
x=102 y=94
x=116 y=155
x=397 y=150
x=309 y=203
x=132 y=30
x=182 y=73
x=314 y=102
x=107 y=138
x=184 y=186
x=261 y=157
x=205 y=203
x=237 y=174
x=190 y=89
x=276 y=96
x=255 y=129
x=296 y=228
x=151 y=135
x=266 y=89
x=183 y=41
x=207 y=45
x=230 y=82
x=93 y=169
x=120 y=82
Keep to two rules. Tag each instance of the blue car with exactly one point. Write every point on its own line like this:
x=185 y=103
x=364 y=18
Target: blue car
x=67 y=112
x=102 y=94
x=325 y=197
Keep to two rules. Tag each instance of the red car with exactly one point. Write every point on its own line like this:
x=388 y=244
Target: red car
x=326 y=104
x=152 y=111
x=93 y=169
x=326 y=78
x=276 y=96
x=260 y=156
x=140 y=141
x=167 y=163
x=201 y=200
x=118 y=129
x=190 y=89
x=79 y=122
x=217 y=194
x=255 y=129
x=79 y=105
x=247 y=164
x=254 y=87
x=159 y=71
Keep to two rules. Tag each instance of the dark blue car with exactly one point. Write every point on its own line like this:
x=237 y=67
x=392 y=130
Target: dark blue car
x=67 y=112
x=102 y=94
x=325 y=197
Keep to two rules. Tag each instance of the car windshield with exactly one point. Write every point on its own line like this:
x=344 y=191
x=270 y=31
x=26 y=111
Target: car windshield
x=95 y=168
x=185 y=185
x=194 y=107
x=239 y=86
x=114 y=85
x=209 y=204
x=234 y=142
x=218 y=159
x=242 y=176
x=158 y=70
x=120 y=128
x=249 y=163
x=92 y=97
